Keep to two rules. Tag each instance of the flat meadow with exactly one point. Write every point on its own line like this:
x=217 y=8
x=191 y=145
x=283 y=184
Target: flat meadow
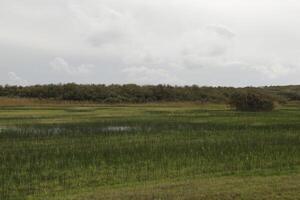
x=148 y=151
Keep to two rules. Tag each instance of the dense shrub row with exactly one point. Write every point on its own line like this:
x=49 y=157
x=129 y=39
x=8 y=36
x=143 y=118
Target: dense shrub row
x=132 y=93
x=119 y=93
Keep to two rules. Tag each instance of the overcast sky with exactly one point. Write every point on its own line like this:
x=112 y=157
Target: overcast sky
x=182 y=42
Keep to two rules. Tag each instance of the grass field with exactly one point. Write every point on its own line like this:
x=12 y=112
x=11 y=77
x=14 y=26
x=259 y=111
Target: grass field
x=155 y=151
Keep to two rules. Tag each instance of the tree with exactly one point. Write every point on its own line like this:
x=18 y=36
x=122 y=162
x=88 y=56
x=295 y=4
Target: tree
x=251 y=101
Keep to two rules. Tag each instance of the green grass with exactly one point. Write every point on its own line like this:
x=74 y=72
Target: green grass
x=101 y=151
x=216 y=188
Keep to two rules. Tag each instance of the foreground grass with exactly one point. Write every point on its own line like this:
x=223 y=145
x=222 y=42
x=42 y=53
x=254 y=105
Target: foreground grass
x=213 y=188
x=52 y=152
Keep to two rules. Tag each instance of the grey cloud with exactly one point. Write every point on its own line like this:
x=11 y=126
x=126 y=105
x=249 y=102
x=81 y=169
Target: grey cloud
x=274 y=70
x=104 y=25
x=62 y=66
x=172 y=41
x=222 y=30
x=105 y=37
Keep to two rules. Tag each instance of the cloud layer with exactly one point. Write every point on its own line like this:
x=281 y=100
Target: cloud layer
x=14 y=79
x=173 y=41
x=62 y=66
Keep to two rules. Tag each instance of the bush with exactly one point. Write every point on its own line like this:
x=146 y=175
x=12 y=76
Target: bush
x=251 y=101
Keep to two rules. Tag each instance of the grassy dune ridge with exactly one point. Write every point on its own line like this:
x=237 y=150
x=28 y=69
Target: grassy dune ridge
x=75 y=152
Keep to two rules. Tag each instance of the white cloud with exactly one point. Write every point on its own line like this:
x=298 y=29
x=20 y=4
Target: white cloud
x=62 y=66
x=16 y=80
x=146 y=75
x=274 y=70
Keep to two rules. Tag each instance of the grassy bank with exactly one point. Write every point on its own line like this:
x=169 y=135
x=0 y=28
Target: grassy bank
x=212 y=188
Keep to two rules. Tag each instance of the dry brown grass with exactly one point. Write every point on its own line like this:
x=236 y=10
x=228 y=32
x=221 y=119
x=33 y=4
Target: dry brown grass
x=7 y=101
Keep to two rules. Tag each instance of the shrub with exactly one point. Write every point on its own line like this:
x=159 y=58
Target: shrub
x=251 y=101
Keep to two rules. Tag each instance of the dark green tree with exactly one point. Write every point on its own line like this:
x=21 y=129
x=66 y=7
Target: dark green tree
x=251 y=101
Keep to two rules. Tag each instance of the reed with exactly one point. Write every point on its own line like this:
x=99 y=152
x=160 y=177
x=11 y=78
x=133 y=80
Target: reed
x=50 y=150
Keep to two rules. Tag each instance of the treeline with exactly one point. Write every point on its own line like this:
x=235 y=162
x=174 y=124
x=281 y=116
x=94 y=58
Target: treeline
x=132 y=93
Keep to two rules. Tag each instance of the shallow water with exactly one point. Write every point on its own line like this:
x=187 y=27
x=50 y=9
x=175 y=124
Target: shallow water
x=59 y=130
x=118 y=128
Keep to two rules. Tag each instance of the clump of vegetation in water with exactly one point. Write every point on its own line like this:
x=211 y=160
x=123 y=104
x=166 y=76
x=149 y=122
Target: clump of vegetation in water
x=251 y=101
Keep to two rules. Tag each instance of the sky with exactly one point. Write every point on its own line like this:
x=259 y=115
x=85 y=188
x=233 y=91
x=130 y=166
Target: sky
x=177 y=42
